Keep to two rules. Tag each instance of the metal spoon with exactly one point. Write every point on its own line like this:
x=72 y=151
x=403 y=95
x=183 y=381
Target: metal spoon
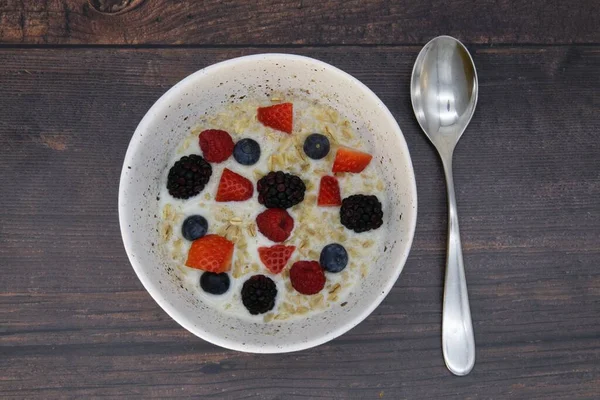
x=444 y=94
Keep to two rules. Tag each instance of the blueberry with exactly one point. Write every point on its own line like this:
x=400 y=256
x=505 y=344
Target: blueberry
x=334 y=257
x=246 y=152
x=316 y=146
x=214 y=283
x=194 y=227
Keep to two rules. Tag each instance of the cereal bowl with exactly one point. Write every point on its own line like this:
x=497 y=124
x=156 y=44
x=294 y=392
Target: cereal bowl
x=208 y=91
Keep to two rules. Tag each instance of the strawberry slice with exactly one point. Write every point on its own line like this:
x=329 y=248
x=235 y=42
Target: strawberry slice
x=329 y=192
x=216 y=145
x=279 y=117
x=275 y=257
x=210 y=253
x=349 y=160
x=234 y=187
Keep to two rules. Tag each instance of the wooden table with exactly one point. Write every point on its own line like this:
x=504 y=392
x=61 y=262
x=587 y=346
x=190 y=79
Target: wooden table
x=75 y=322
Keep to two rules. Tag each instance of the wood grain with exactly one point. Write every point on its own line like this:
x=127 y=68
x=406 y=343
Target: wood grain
x=305 y=22
x=76 y=323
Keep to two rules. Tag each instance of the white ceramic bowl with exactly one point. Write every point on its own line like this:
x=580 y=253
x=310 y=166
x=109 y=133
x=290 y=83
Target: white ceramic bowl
x=167 y=122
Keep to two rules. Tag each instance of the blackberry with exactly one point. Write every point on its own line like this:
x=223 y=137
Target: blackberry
x=280 y=190
x=188 y=176
x=361 y=213
x=258 y=294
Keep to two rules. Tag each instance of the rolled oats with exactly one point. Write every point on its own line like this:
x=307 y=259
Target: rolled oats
x=235 y=221
x=282 y=316
x=314 y=227
x=335 y=288
x=301 y=310
x=268 y=317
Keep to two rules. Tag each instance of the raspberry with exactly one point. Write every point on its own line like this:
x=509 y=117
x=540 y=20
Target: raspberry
x=275 y=224
x=307 y=277
x=216 y=145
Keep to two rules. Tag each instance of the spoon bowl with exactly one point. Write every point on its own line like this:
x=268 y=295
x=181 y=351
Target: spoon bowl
x=444 y=91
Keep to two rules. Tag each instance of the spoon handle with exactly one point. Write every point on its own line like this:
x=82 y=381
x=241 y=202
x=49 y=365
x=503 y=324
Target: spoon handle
x=458 y=343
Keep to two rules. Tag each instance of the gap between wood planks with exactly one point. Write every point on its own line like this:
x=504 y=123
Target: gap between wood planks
x=506 y=46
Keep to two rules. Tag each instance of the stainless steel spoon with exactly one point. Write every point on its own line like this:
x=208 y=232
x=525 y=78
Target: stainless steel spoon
x=444 y=94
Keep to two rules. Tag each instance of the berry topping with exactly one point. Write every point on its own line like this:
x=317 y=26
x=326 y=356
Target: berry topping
x=361 y=213
x=210 y=253
x=234 y=187
x=194 y=227
x=329 y=192
x=334 y=257
x=214 y=283
x=348 y=160
x=275 y=257
x=258 y=294
x=275 y=224
x=316 y=146
x=279 y=116
x=307 y=277
x=246 y=152
x=188 y=176
x=216 y=145
x=280 y=190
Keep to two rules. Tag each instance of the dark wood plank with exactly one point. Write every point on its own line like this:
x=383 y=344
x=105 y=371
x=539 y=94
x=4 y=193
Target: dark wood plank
x=76 y=323
x=276 y=22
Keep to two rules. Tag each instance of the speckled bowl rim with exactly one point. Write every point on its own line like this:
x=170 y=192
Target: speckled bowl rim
x=155 y=290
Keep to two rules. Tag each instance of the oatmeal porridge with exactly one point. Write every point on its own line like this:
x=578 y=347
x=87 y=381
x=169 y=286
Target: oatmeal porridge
x=271 y=210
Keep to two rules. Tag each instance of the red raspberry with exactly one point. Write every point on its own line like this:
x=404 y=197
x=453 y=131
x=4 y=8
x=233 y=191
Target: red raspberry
x=216 y=145
x=307 y=277
x=276 y=224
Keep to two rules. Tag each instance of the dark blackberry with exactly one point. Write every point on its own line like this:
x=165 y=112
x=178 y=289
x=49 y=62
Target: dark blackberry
x=258 y=294
x=188 y=176
x=280 y=190
x=361 y=213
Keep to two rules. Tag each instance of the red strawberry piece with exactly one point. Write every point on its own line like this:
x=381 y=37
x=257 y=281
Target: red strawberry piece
x=216 y=145
x=234 y=187
x=279 y=116
x=275 y=223
x=349 y=160
x=329 y=192
x=210 y=253
x=307 y=277
x=275 y=257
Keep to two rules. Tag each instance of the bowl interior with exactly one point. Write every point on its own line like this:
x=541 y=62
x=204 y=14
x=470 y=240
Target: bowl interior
x=205 y=91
